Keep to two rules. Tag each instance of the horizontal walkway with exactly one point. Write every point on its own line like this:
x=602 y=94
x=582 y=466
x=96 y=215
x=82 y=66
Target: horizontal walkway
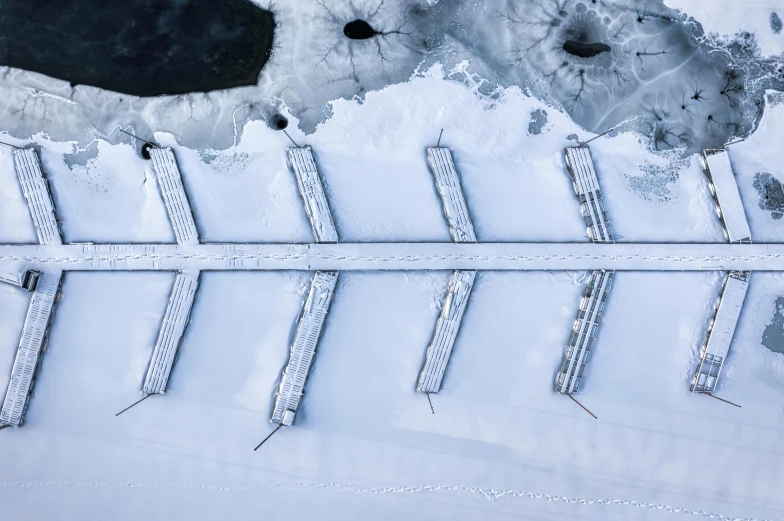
x=398 y=256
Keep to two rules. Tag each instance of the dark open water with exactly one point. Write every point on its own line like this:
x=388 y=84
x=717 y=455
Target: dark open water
x=138 y=47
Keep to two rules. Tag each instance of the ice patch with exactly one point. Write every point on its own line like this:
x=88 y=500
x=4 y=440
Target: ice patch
x=775 y=23
x=773 y=336
x=537 y=122
x=771 y=194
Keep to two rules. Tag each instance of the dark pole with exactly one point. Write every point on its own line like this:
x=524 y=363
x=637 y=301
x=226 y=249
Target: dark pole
x=268 y=437
x=597 y=137
x=134 y=403
x=439 y=137
x=287 y=135
x=140 y=139
x=722 y=399
x=431 y=403
x=581 y=405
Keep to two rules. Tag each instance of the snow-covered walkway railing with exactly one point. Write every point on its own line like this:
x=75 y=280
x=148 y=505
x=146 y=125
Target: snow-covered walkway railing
x=456 y=300
x=724 y=188
x=38 y=195
x=721 y=331
x=446 y=331
x=399 y=256
x=303 y=348
x=312 y=191
x=175 y=320
x=31 y=348
x=174 y=197
x=585 y=329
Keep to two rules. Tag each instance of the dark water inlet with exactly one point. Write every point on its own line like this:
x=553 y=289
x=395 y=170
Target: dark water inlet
x=359 y=30
x=278 y=122
x=139 y=47
x=585 y=50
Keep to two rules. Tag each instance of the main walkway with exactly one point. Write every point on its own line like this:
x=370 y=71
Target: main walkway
x=396 y=256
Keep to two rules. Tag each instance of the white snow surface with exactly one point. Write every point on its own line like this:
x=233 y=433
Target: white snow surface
x=729 y=17
x=761 y=152
x=501 y=444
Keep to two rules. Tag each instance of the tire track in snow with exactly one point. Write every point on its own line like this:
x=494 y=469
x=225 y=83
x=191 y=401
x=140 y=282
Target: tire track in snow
x=487 y=494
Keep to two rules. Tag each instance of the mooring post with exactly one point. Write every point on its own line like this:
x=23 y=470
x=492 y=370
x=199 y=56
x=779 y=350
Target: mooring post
x=722 y=399
x=583 y=407
x=597 y=137
x=268 y=437
x=134 y=403
x=290 y=138
x=140 y=139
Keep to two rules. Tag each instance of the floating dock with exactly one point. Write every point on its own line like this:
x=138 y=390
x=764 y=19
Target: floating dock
x=174 y=197
x=462 y=230
x=586 y=186
x=720 y=332
x=584 y=332
x=304 y=347
x=446 y=331
x=452 y=198
x=729 y=209
x=38 y=195
x=312 y=191
x=31 y=348
x=722 y=184
x=175 y=320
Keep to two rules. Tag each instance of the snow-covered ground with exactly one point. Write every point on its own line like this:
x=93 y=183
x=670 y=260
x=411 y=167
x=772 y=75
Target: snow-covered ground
x=729 y=17
x=501 y=444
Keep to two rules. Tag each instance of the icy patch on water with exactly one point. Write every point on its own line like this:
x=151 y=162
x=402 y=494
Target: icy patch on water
x=775 y=23
x=771 y=194
x=537 y=122
x=773 y=337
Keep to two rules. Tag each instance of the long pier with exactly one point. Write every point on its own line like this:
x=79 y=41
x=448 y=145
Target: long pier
x=398 y=256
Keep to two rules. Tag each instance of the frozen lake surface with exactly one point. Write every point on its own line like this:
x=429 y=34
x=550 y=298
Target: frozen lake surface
x=370 y=85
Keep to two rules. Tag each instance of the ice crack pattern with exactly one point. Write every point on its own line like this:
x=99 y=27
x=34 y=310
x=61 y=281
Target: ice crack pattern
x=604 y=62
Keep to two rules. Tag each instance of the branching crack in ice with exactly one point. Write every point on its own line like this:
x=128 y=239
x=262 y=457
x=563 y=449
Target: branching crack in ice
x=488 y=494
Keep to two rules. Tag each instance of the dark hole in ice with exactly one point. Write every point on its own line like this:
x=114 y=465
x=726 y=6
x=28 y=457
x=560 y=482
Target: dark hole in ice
x=139 y=47
x=278 y=122
x=146 y=151
x=585 y=50
x=359 y=30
